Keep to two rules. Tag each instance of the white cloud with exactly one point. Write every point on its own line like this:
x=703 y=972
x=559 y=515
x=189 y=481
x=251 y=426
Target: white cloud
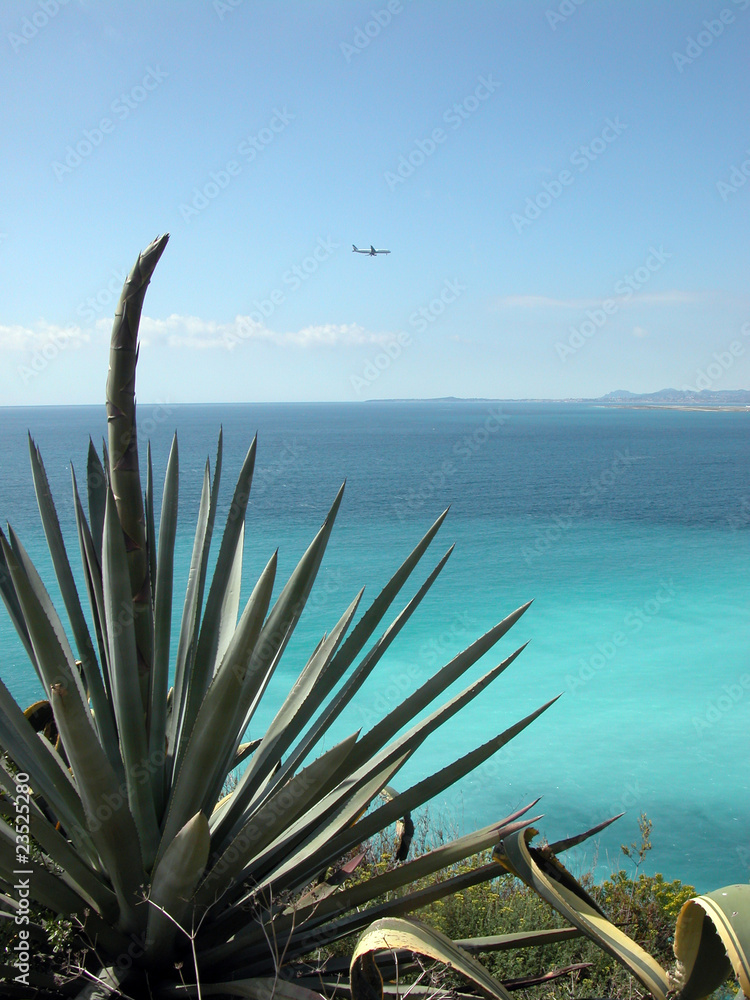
x=194 y=333
x=37 y=337
x=638 y=331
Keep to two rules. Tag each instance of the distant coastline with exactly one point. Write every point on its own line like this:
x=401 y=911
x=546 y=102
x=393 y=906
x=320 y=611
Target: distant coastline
x=706 y=408
x=674 y=406
x=726 y=400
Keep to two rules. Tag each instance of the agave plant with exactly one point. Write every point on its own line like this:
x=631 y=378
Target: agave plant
x=173 y=888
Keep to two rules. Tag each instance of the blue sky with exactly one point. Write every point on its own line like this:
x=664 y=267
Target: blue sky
x=561 y=185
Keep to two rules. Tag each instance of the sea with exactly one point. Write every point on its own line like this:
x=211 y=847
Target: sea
x=628 y=528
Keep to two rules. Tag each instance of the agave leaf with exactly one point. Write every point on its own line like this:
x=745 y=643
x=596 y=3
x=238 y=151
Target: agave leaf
x=43 y=886
x=208 y=537
x=127 y=681
x=41 y=618
x=124 y=471
x=53 y=891
x=342 y=697
x=296 y=708
x=332 y=813
x=150 y=522
x=414 y=703
x=404 y=961
x=258 y=681
x=51 y=778
x=79 y=875
x=94 y=585
x=414 y=737
x=91 y=557
x=189 y=630
x=10 y=600
x=712 y=938
x=55 y=659
x=519 y=939
x=550 y=880
x=291 y=601
x=271 y=643
x=102 y=709
x=212 y=739
x=163 y=585
x=230 y=607
x=565 y=845
x=291 y=862
x=419 y=732
x=403 y=904
x=174 y=881
x=357 y=898
x=325 y=888
x=365 y=627
x=108 y=818
x=308 y=834
x=68 y=890
x=393 y=933
x=190 y=613
x=428 y=864
x=407 y=801
x=244 y=750
x=348 y=799
x=220 y=615
x=96 y=484
x=268 y=821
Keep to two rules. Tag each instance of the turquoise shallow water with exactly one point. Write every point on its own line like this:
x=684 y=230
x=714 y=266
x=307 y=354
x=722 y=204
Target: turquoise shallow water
x=628 y=528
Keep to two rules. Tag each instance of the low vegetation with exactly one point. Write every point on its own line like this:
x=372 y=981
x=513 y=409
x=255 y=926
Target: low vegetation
x=646 y=907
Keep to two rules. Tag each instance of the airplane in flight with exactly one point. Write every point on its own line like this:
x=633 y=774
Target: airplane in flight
x=372 y=251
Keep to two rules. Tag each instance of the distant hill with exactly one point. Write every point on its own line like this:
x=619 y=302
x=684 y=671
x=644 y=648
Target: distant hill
x=687 y=397
x=620 y=394
x=664 y=397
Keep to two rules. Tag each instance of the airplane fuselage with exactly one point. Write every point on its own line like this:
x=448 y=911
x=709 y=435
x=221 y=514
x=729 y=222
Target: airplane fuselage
x=371 y=252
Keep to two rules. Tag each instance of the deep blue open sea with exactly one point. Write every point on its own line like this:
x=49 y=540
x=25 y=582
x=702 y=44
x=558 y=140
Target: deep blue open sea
x=630 y=529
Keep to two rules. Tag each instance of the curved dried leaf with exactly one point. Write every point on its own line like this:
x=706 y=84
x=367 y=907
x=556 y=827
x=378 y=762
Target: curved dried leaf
x=393 y=933
x=713 y=937
x=550 y=880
